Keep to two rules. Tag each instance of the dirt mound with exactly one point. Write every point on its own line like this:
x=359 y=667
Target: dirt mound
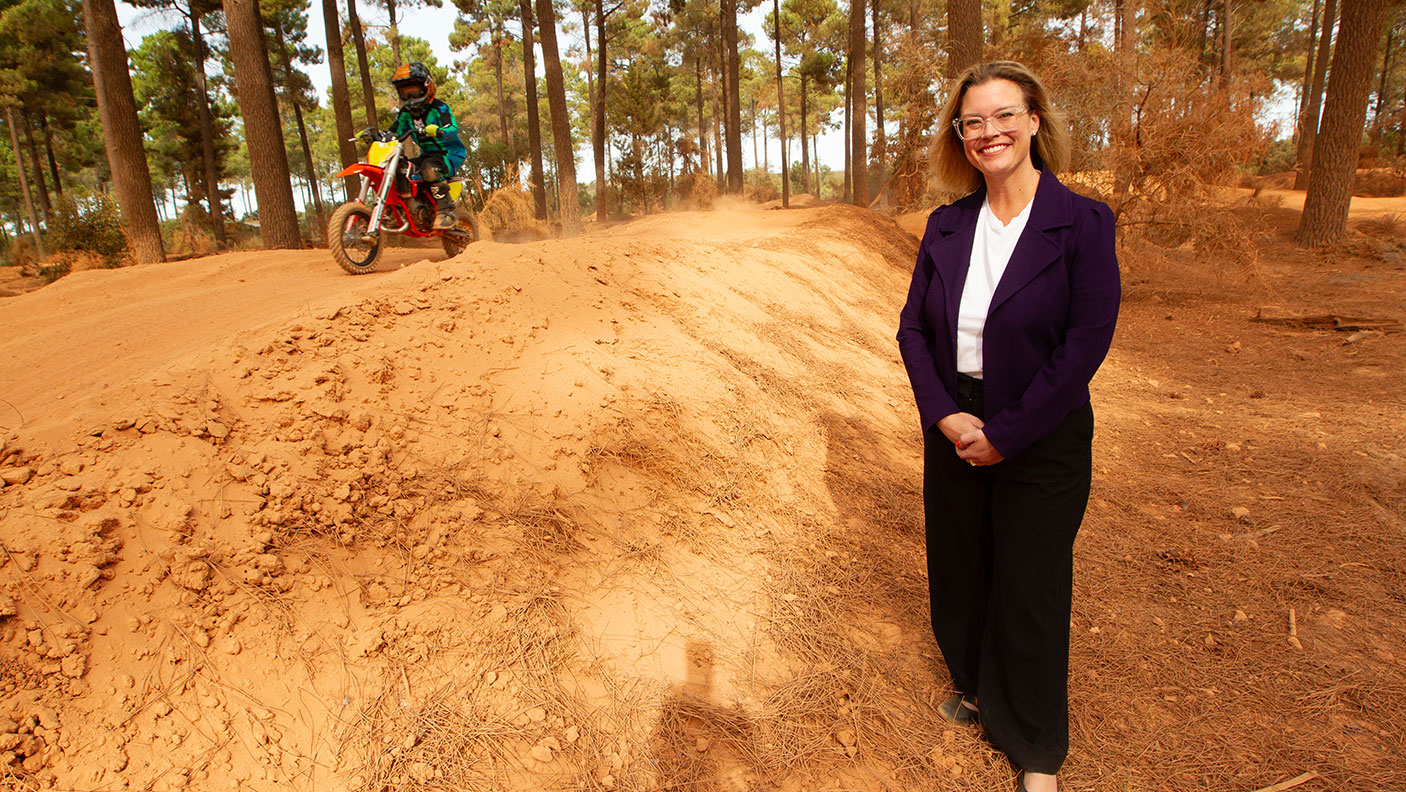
x=641 y=510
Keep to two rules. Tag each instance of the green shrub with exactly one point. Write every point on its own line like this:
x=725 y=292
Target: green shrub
x=92 y=226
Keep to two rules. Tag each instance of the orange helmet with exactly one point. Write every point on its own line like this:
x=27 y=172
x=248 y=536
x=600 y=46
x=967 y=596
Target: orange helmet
x=413 y=85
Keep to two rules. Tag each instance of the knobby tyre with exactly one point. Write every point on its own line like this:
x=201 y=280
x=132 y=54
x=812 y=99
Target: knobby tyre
x=465 y=233
x=345 y=232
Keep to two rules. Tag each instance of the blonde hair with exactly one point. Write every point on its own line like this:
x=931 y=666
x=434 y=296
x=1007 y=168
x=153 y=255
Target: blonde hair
x=1048 y=150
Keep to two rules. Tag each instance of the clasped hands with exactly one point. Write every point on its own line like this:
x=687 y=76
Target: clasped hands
x=965 y=432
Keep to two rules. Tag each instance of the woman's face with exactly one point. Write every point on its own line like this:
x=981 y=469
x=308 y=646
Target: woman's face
x=999 y=151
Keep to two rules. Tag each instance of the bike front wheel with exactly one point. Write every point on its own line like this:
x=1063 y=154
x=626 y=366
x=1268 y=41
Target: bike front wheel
x=354 y=249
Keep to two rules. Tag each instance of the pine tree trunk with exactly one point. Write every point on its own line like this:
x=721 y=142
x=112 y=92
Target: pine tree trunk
x=858 y=136
x=368 y=93
x=845 y=136
x=702 y=130
x=561 y=122
x=880 y=143
x=1227 y=48
x=45 y=206
x=781 y=108
x=720 y=173
x=49 y=152
x=1381 y=86
x=122 y=132
x=341 y=99
x=1308 y=125
x=963 y=33
x=24 y=184
x=1308 y=70
x=207 y=135
x=1344 y=113
x=805 y=148
x=534 y=124
x=308 y=166
x=605 y=199
x=734 y=97
x=393 y=34
x=268 y=159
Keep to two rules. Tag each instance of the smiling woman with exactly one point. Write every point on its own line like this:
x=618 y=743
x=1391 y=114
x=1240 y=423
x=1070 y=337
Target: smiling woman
x=1010 y=312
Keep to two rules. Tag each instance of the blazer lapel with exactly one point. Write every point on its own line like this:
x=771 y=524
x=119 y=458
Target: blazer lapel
x=1039 y=245
x=951 y=253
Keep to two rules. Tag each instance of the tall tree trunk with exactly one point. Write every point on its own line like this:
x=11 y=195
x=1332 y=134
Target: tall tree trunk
x=805 y=148
x=498 y=76
x=721 y=173
x=781 y=107
x=1227 y=48
x=848 y=194
x=293 y=99
x=752 y=111
x=702 y=130
x=1308 y=126
x=341 y=99
x=44 y=204
x=24 y=184
x=207 y=134
x=858 y=136
x=880 y=144
x=534 y=125
x=1344 y=112
x=1205 y=30
x=122 y=132
x=561 y=122
x=963 y=34
x=1381 y=86
x=604 y=197
x=1308 y=69
x=393 y=34
x=734 y=96
x=368 y=93
x=49 y=152
x=268 y=160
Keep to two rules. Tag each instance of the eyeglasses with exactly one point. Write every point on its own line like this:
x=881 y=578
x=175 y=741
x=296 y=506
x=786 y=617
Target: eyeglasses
x=974 y=126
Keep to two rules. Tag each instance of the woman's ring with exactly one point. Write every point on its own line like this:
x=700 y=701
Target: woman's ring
x=971 y=462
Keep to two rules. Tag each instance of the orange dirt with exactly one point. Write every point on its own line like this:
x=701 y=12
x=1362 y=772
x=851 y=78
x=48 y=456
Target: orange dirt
x=641 y=510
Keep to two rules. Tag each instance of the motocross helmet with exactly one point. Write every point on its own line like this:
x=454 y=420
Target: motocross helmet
x=413 y=86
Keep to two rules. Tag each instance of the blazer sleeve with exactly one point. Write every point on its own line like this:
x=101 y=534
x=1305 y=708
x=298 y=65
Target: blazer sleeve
x=916 y=339
x=1061 y=385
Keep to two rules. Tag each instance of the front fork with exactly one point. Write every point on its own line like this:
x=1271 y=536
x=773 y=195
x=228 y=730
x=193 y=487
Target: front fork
x=373 y=228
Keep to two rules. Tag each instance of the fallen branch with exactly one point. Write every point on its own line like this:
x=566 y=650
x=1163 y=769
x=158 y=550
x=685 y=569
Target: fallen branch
x=1291 y=783
x=1330 y=322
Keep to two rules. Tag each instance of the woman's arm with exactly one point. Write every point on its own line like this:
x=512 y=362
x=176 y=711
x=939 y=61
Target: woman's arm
x=1059 y=386
x=914 y=336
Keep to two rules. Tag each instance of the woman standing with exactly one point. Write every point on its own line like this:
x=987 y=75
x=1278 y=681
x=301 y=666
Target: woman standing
x=1011 y=311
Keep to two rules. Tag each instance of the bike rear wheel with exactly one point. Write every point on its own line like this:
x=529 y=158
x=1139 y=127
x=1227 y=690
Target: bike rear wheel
x=347 y=239
x=463 y=234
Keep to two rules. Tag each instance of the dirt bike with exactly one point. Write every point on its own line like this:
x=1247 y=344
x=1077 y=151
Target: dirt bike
x=401 y=205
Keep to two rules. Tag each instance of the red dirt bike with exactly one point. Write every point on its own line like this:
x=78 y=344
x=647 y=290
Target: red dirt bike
x=354 y=234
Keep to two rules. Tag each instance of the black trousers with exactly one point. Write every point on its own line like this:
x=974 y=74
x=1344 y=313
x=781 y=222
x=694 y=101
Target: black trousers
x=1000 y=542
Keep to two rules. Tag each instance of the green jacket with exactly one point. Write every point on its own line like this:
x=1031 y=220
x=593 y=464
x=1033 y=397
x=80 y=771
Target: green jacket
x=446 y=143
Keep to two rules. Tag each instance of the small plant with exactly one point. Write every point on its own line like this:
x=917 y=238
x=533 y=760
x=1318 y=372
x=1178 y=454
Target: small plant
x=91 y=226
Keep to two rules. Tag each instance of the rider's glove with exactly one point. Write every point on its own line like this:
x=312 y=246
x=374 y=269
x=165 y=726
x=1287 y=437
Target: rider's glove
x=432 y=130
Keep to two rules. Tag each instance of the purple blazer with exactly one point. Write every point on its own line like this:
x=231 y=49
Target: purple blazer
x=1049 y=325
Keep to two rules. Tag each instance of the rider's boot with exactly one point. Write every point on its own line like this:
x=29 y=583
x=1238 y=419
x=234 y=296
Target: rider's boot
x=444 y=219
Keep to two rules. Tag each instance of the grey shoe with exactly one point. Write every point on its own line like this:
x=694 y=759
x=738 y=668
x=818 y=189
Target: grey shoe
x=955 y=711
x=444 y=221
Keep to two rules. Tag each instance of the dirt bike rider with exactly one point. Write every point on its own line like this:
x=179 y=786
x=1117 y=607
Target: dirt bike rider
x=441 y=150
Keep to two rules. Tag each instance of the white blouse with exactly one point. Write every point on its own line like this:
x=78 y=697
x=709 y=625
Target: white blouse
x=991 y=252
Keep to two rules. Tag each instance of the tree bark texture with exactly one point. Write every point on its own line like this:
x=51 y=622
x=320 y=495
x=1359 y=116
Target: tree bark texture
x=805 y=147
x=880 y=144
x=1308 y=69
x=534 y=124
x=848 y=191
x=733 y=120
x=1227 y=47
x=46 y=207
x=1344 y=114
x=308 y=167
x=24 y=184
x=341 y=99
x=49 y=152
x=268 y=159
x=604 y=199
x=561 y=122
x=207 y=136
x=367 y=91
x=963 y=34
x=393 y=34
x=859 y=139
x=122 y=131
x=1308 y=125
x=781 y=107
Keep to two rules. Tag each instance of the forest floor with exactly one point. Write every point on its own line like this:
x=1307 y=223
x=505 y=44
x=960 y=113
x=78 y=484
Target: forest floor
x=642 y=511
